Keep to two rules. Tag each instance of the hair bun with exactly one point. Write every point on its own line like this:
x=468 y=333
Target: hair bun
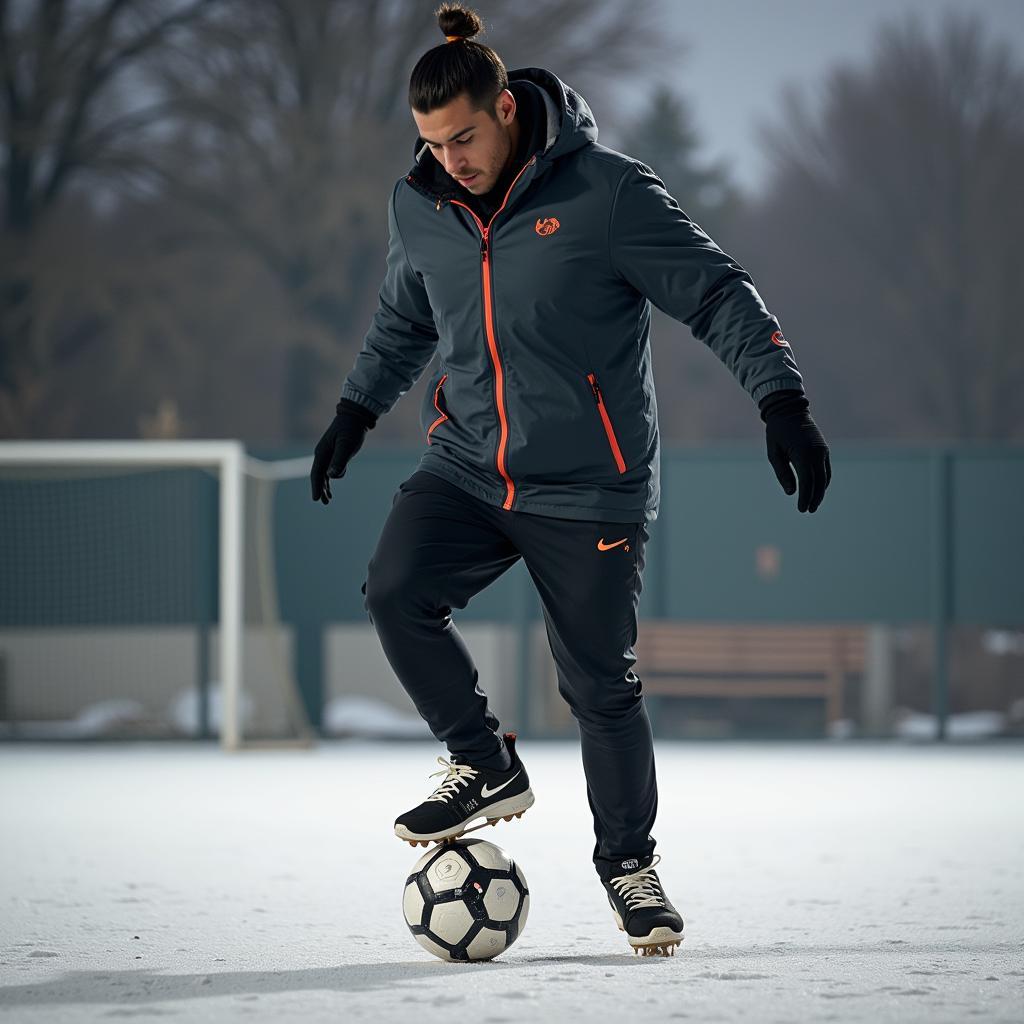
x=456 y=20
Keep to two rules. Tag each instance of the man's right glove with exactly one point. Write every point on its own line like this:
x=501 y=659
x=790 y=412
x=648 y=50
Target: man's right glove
x=342 y=439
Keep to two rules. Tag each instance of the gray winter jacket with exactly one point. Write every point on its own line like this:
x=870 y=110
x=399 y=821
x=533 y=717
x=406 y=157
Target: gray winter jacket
x=543 y=400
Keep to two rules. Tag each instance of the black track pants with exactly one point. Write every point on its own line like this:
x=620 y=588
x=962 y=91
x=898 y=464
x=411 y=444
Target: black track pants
x=439 y=546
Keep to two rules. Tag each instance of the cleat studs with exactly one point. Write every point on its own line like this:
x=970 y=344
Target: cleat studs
x=667 y=948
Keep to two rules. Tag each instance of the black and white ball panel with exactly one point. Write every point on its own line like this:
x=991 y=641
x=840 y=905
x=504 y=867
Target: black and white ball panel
x=466 y=900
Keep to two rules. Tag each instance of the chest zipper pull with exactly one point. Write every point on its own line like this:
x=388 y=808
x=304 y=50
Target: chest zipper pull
x=483 y=248
x=438 y=207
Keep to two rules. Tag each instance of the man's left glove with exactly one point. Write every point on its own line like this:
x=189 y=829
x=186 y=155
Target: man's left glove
x=793 y=437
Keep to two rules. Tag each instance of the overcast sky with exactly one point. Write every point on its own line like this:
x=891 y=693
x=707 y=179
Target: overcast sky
x=742 y=51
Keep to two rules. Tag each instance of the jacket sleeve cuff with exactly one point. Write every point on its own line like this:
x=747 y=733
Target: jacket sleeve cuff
x=777 y=384
x=367 y=401
x=346 y=407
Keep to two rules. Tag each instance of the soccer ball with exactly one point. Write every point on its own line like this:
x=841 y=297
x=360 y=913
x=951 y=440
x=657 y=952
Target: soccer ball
x=466 y=900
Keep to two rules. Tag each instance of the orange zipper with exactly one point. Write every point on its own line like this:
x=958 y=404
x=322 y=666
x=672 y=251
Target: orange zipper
x=492 y=340
x=440 y=419
x=606 y=420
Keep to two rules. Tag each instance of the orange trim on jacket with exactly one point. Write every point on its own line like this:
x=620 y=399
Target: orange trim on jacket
x=606 y=420
x=492 y=339
x=440 y=419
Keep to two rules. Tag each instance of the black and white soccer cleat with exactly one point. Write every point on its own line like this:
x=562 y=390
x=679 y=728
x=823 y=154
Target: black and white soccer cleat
x=467 y=793
x=642 y=910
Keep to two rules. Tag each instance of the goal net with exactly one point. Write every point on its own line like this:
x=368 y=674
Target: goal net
x=138 y=594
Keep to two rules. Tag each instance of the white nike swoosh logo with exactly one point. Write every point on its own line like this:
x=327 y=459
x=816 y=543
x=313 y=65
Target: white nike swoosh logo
x=485 y=792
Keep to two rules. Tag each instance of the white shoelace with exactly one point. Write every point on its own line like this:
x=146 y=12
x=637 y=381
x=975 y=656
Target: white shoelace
x=640 y=889
x=457 y=775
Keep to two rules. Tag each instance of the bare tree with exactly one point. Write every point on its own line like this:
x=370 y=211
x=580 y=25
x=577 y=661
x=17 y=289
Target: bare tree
x=67 y=104
x=892 y=229
x=664 y=137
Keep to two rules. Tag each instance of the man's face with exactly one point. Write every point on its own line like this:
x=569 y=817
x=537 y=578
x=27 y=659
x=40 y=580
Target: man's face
x=471 y=146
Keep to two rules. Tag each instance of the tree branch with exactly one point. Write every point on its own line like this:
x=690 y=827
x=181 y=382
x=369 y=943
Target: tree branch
x=96 y=74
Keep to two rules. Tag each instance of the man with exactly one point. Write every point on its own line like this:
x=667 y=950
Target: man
x=527 y=255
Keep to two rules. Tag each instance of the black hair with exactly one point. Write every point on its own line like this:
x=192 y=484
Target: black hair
x=453 y=68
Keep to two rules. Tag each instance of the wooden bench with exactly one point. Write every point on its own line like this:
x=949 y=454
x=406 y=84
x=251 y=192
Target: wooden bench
x=676 y=659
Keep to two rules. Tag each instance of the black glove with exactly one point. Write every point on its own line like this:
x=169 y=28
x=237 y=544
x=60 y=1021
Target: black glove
x=793 y=437
x=342 y=439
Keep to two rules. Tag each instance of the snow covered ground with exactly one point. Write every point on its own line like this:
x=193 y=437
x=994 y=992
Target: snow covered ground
x=818 y=882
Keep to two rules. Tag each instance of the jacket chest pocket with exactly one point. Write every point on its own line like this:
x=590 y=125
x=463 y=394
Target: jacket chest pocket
x=609 y=430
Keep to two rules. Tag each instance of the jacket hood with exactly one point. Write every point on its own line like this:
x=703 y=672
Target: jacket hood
x=571 y=123
x=570 y=126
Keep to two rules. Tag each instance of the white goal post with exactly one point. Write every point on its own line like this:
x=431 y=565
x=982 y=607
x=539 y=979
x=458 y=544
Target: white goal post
x=228 y=460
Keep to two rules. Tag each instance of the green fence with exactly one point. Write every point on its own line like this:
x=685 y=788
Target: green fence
x=906 y=535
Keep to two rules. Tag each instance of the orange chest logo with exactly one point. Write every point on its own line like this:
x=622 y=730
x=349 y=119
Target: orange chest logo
x=547 y=226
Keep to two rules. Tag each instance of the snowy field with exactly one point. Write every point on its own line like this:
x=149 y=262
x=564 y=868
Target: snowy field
x=818 y=883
